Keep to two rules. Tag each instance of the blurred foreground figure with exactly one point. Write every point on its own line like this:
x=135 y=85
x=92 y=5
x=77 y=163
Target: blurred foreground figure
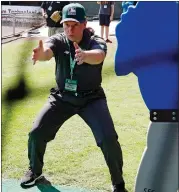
x=151 y=53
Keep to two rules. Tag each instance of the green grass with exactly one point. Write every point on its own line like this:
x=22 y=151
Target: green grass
x=73 y=157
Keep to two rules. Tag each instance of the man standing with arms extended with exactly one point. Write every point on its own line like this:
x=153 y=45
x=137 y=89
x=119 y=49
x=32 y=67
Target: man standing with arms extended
x=79 y=57
x=51 y=11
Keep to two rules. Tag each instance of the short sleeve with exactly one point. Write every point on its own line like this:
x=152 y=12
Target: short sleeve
x=98 y=43
x=54 y=43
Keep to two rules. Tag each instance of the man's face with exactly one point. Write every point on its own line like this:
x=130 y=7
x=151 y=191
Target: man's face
x=74 y=30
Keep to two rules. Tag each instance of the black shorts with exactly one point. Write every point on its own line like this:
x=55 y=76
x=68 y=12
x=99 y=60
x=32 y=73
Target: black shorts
x=104 y=20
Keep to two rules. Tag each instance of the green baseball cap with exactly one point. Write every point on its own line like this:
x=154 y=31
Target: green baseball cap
x=73 y=12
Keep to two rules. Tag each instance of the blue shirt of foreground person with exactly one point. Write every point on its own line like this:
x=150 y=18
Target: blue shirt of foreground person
x=151 y=52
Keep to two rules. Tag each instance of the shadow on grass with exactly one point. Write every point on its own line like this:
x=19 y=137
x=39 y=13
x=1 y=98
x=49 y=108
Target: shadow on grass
x=43 y=185
x=19 y=92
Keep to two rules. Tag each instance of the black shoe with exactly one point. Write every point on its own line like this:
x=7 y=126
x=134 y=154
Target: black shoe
x=118 y=188
x=30 y=178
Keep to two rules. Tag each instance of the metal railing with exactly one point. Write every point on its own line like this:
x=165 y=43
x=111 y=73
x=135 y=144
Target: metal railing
x=15 y=23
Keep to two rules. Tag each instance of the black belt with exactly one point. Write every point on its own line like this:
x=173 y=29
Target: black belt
x=79 y=94
x=56 y=90
x=166 y=115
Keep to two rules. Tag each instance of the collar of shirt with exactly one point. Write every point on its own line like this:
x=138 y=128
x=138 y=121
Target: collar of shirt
x=84 y=43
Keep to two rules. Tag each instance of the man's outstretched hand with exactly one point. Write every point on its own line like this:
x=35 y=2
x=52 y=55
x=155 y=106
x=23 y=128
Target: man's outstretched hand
x=79 y=54
x=38 y=52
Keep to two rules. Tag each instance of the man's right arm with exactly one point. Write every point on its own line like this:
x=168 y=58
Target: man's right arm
x=43 y=9
x=47 y=54
x=42 y=53
x=45 y=51
x=43 y=12
x=43 y=6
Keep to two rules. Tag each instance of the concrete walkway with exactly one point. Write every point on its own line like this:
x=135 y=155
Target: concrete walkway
x=8 y=30
x=12 y=185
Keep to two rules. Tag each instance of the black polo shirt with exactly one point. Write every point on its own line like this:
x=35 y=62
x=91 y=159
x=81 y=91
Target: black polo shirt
x=88 y=76
x=51 y=6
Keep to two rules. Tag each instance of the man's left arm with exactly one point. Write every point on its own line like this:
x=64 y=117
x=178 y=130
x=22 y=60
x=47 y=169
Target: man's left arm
x=94 y=56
